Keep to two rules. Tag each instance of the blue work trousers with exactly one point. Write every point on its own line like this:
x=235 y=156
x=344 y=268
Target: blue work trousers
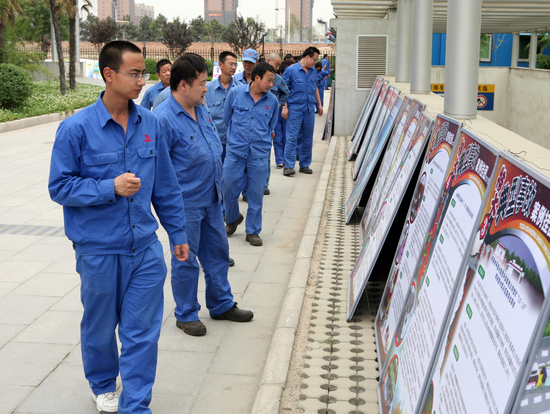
x=127 y=291
x=207 y=241
x=322 y=95
x=299 y=123
x=233 y=178
x=279 y=139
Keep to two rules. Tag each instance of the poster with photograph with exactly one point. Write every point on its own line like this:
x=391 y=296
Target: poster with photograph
x=431 y=290
x=389 y=101
x=371 y=161
x=411 y=155
x=389 y=169
x=424 y=203
x=501 y=298
x=364 y=118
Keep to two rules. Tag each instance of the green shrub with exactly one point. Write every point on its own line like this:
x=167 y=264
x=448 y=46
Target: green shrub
x=153 y=77
x=210 y=66
x=151 y=66
x=15 y=86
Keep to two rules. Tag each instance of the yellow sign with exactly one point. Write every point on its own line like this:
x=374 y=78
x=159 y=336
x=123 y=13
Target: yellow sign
x=440 y=87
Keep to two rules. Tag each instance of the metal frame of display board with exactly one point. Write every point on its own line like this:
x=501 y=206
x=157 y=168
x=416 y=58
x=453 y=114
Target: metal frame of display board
x=418 y=295
x=330 y=116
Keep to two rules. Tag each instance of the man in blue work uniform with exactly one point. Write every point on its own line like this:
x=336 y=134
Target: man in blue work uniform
x=195 y=150
x=281 y=92
x=217 y=91
x=109 y=164
x=164 y=67
x=325 y=65
x=322 y=75
x=250 y=60
x=251 y=115
x=304 y=96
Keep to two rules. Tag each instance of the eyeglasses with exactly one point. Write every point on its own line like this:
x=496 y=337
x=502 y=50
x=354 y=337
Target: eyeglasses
x=231 y=65
x=135 y=76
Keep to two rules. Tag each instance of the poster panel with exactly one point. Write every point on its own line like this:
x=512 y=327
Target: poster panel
x=388 y=171
x=389 y=101
x=431 y=290
x=423 y=205
x=330 y=116
x=363 y=120
x=501 y=298
x=372 y=160
x=414 y=148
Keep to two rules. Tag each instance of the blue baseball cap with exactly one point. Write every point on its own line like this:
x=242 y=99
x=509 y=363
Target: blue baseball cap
x=250 y=55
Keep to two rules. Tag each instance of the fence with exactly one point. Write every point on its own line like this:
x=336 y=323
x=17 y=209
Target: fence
x=157 y=54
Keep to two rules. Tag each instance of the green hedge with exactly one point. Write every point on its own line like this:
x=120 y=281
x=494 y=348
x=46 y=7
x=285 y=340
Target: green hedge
x=15 y=86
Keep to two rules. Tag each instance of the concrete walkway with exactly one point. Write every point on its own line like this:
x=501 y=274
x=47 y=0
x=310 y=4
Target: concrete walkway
x=40 y=309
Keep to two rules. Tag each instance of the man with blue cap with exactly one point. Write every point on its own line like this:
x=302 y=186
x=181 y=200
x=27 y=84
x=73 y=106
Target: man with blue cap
x=250 y=59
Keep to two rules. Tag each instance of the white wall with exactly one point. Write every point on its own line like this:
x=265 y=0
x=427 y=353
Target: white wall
x=348 y=102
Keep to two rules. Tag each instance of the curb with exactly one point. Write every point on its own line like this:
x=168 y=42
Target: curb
x=277 y=363
x=34 y=121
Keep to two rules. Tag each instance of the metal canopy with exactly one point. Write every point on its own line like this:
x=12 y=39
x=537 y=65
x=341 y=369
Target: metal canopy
x=497 y=16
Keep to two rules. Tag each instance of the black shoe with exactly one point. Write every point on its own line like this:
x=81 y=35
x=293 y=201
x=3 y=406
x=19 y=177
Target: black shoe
x=297 y=158
x=279 y=166
x=245 y=199
x=231 y=262
x=231 y=227
x=254 y=239
x=193 y=328
x=266 y=191
x=289 y=172
x=235 y=314
x=306 y=170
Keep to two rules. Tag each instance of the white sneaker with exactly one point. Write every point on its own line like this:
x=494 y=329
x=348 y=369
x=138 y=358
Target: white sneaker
x=106 y=403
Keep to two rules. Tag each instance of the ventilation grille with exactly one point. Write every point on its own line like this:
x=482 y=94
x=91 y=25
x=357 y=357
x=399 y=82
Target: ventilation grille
x=371 y=59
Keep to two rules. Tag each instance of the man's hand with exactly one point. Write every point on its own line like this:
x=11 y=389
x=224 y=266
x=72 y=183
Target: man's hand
x=284 y=112
x=272 y=135
x=127 y=184
x=320 y=108
x=181 y=251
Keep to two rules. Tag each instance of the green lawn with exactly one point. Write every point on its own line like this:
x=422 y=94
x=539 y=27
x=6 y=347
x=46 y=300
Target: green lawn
x=46 y=99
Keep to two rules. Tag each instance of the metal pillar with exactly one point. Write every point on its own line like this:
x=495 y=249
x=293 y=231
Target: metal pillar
x=404 y=41
x=462 y=59
x=515 y=50
x=533 y=50
x=54 y=48
x=77 y=34
x=421 y=62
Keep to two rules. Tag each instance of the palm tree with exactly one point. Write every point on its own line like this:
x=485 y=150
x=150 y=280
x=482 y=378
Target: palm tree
x=72 y=8
x=8 y=10
x=58 y=44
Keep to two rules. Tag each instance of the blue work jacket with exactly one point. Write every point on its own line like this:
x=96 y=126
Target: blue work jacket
x=215 y=100
x=89 y=152
x=195 y=150
x=151 y=94
x=249 y=123
x=326 y=63
x=321 y=75
x=240 y=79
x=302 y=88
x=164 y=95
x=280 y=90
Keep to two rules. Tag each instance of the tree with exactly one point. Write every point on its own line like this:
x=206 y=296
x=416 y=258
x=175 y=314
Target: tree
x=198 y=25
x=8 y=10
x=177 y=36
x=151 y=30
x=101 y=32
x=244 y=34
x=215 y=31
x=85 y=26
x=58 y=40
x=542 y=59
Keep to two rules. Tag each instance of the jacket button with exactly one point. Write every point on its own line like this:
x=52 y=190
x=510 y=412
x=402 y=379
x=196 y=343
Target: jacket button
x=133 y=227
x=131 y=200
x=110 y=201
x=133 y=250
x=150 y=152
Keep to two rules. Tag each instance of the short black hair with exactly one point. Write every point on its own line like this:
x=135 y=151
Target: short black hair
x=282 y=68
x=310 y=51
x=287 y=56
x=325 y=55
x=161 y=63
x=318 y=65
x=224 y=55
x=260 y=69
x=110 y=55
x=187 y=67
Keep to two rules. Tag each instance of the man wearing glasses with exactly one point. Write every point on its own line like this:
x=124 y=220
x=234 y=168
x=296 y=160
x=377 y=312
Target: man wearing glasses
x=304 y=96
x=109 y=164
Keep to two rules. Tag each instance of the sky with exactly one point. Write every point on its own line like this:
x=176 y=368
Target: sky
x=265 y=9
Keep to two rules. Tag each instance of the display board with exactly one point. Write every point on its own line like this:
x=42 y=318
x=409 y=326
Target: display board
x=364 y=118
x=432 y=287
x=389 y=101
x=373 y=155
x=330 y=116
x=408 y=156
x=411 y=243
x=389 y=169
x=501 y=299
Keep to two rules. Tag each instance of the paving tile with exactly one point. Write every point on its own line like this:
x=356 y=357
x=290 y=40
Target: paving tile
x=261 y=326
x=237 y=356
x=8 y=332
x=48 y=284
x=182 y=372
x=8 y=287
x=12 y=396
x=70 y=302
x=263 y=294
x=171 y=403
x=16 y=242
x=174 y=339
x=18 y=309
x=53 y=327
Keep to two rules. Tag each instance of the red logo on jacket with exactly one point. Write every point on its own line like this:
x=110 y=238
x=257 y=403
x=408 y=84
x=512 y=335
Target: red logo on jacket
x=266 y=107
x=147 y=139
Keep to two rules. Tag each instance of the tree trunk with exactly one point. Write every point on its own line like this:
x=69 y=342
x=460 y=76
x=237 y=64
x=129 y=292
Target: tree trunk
x=72 y=49
x=62 y=80
x=2 y=28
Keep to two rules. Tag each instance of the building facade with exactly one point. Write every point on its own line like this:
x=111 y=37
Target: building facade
x=224 y=11
x=115 y=9
x=141 y=10
x=302 y=10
